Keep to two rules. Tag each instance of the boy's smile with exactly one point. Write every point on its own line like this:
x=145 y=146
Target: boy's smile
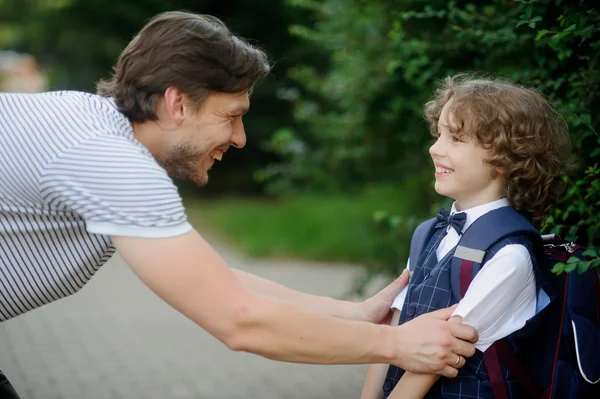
x=441 y=170
x=461 y=169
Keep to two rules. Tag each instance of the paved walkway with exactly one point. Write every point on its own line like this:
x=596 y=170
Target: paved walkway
x=115 y=339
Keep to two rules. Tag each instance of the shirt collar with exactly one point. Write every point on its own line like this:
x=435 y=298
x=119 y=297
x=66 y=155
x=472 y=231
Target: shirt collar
x=476 y=212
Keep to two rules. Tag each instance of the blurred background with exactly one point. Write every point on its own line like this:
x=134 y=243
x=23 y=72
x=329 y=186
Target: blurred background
x=336 y=168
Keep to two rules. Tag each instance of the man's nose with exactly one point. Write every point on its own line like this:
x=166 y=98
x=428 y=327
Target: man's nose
x=238 y=138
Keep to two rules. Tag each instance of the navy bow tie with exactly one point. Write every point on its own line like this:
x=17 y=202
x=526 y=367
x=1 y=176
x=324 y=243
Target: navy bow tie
x=456 y=220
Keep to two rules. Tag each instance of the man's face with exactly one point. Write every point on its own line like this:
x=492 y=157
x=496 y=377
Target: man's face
x=204 y=136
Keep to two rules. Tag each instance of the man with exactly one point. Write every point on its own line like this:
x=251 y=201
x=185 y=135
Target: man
x=82 y=175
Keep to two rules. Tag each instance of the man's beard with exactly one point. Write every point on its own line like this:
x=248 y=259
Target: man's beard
x=181 y=163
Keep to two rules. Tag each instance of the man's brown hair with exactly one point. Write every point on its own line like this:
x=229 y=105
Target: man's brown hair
x=526 y=137
x=195 y=53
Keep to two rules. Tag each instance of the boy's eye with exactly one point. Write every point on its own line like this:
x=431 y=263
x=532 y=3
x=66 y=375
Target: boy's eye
x=456 y=139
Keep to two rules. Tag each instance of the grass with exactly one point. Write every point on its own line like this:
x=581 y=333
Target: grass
x=333 y=228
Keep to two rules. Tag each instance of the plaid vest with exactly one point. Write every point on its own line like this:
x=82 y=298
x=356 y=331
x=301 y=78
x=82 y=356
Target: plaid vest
x=430 y=289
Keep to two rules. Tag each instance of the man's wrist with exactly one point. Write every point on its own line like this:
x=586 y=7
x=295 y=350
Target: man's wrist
x=385 y=346
x=347 y=310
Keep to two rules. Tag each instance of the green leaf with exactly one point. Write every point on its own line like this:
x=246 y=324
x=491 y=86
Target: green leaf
x=529 y=11
x=587 y=32
x=522 y=22
x=590 y=252
x=379 y=216
x=596 y=263
x=583 y=267
x=536 y=19
x=532 y=25
x=541 y=34
x=586 y=119
x=558 y=268
x=573 y=259
x=570 y=266
x=595 y=153
x=395 y=221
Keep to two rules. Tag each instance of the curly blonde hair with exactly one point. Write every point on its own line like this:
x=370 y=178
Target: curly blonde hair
x=526 y=138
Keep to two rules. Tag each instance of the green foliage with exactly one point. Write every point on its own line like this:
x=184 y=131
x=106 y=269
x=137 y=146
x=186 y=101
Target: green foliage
x=360 y=118
x=323 y=227
x=589 y=259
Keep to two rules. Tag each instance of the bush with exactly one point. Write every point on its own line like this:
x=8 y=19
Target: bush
x=360 y=118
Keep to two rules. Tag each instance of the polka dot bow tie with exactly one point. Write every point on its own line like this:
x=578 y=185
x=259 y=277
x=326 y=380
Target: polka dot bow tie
x=456 y=220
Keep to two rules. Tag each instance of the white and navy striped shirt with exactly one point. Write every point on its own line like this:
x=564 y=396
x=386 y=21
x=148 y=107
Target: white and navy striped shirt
x=72 y=174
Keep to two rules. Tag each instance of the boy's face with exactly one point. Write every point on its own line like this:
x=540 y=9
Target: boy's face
x=461 y=172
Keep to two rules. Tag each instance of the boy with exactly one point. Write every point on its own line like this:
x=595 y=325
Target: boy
x=497 y=145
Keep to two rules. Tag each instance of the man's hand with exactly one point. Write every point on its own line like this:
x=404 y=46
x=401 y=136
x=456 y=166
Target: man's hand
x=431 y=344
x=377 y=308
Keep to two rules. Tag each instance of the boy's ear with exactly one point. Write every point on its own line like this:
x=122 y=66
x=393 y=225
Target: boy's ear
x=500 y=170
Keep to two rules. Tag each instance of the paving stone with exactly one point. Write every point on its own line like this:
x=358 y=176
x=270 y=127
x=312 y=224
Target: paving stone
x=115 y=339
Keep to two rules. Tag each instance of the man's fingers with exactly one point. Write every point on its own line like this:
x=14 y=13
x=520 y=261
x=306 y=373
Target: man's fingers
x=442 y=314
x=393 y=289
x=463 y=348
x=449 y=372
x=464 y=332
x=397 y=285
x=403 y=279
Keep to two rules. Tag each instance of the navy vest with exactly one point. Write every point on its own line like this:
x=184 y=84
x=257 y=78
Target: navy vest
x=430 y=289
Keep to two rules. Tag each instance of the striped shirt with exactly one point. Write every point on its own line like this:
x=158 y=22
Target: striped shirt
x=71 y=175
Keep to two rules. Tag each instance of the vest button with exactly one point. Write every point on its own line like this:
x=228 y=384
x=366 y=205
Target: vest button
x=387 y=386
x=411 y=311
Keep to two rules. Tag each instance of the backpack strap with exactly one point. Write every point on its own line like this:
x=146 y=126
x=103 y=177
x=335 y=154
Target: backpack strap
x=419 y=239
x=486 y=231
x=468 y=259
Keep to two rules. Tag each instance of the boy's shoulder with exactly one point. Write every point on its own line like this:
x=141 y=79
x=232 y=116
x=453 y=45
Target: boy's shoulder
x=497 y=224
x=494 y=228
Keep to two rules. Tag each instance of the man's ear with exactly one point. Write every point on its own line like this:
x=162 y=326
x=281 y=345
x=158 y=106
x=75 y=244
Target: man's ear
x=175 y=104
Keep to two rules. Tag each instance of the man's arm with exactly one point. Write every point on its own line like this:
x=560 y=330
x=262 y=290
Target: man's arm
x=374 y=309
x=416 y=386
x=189 y=275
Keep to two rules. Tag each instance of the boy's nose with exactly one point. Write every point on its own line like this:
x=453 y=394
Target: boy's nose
x=435 y=149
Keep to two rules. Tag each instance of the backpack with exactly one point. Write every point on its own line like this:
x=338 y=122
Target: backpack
x=559 y=348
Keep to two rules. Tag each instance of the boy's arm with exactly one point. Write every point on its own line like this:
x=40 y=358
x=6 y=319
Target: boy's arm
x=501 y=297
x=372 y=388
x=416 y=386
x=376 y=374
x=498 y=302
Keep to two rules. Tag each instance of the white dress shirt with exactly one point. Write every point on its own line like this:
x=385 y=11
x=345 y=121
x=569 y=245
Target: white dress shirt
x=502 y=296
